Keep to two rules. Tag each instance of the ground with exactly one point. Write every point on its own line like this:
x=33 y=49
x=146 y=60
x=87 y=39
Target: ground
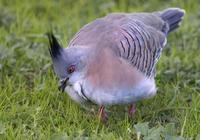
x=31 y=107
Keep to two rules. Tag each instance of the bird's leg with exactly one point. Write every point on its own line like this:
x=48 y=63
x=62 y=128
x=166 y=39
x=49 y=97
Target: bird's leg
x=102 y=114
x=131 y=110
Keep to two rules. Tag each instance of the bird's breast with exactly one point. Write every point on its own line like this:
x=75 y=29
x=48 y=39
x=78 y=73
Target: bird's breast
x=77 y=92
x=120 y=94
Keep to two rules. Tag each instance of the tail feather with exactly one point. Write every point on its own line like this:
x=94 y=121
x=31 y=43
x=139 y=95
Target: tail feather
x=173 y=18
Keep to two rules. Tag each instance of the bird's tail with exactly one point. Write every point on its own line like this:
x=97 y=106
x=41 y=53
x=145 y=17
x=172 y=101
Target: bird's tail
x=173 y=17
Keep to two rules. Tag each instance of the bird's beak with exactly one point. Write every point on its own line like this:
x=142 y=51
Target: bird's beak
x=63 y=84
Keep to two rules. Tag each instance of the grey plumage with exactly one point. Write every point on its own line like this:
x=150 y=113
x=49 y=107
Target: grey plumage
x=139 y=37
x=172 y=17
x=115 y=56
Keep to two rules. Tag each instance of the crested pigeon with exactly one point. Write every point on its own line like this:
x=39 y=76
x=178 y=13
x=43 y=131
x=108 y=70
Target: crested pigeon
x=112 y=60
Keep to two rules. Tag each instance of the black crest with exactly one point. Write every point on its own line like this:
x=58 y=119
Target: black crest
x=54 y=48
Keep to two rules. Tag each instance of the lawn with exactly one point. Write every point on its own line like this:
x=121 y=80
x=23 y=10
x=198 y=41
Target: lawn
x=31 y=107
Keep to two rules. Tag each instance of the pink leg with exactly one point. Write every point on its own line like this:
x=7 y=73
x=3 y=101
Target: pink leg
x=131 y=110
x=102 y=114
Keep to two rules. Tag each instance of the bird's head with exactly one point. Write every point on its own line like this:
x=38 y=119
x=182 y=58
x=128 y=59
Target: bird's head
x=69 y=63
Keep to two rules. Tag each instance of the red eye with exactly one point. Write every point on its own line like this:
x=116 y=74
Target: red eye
x=71 y=69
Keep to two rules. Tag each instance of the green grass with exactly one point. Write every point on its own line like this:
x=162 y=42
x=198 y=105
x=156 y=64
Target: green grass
x=31 y=107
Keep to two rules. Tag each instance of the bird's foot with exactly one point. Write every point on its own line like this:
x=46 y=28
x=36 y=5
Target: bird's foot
x=131 y=110
x=102 y=114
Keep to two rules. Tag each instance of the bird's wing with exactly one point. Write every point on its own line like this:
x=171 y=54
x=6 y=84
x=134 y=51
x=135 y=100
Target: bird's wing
x=135 y=40
x=139 y=39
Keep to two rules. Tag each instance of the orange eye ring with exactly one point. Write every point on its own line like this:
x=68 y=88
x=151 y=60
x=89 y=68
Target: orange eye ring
x=71 y=69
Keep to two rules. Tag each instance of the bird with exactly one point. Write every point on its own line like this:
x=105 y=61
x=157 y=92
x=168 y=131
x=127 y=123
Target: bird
x=112 y=60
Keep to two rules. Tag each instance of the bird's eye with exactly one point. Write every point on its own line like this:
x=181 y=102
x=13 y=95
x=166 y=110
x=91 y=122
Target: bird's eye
x=71 y=69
